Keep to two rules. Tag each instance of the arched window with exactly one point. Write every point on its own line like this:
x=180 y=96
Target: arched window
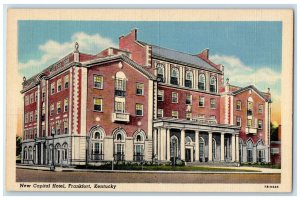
x=260 y=152
x=30 y=153
x=188 y=79
x=25 y=153
x=188 y=140
x=249 y=151
x=160 y=72
x=213 y=84
x=65 y=151
x=58 y=153
x=119 y=143
x=174 y=147
x=214 y=148
x=96 y=143
x=201 y=150
x=120 y=84
x=201 y=83
x=174 y=76
x=139 y=139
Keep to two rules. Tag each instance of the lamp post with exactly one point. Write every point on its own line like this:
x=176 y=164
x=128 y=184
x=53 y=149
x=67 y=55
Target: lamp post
x=53 y=132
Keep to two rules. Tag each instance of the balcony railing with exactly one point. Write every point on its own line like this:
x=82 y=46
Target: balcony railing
x=251 y=130
x=138 y=158
x=121 y=117
x=120 y=93
x=97 y=156
x=201 y=120
x=119 y=157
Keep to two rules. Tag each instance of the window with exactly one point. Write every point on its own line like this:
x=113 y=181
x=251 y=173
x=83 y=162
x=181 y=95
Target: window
x=65 y=151
x=58 y=107
x=98 y=81
x=174 y=76
x=160 y=72
x=188 y=99
x=201 y=83
x=212 y=103
x=97 y=144
x=174 y=97
x=238 y=121
x=31 y=98
x=188 y=116
x=36 y=96
x=214 y=148
x=201 y=150
x=26 y=100
x=66 y=126
x=140 y=89
x=201 y=101
x=120 y=87
x=175 y=114
x=238 y=105
x=160 y=95
x=188 y=79
x=66 y=102
x=249 y=122
x=139 y=109
x=31 y=116
x=52 y=88
x=174 y=147
x=119 y=143
x=260 y=108
x=36 y=115
x=249 y=151
x=213 y=84
x=260 y=124
x=250 y=106
x=58 y=85
x=58 y=128
x=26 y=117
x=119 y=107
x=160 y=113
x=98 y=104
x=66 y=81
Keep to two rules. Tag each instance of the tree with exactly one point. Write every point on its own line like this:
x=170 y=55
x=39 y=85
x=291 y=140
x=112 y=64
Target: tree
x=18 y=145
x=273 y=132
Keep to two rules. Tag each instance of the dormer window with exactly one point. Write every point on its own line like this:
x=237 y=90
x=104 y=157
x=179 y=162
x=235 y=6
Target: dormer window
x=201 y=83
x=174 y=76
x=160 y=72
x=188 y=79
x=213 y=84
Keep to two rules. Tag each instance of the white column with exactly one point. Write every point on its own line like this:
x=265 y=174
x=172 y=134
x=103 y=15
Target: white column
x=42 y=153
x=209 y=146
x=167 y=73
x=154 y=142
x=222 y=146
x=163 y=144
x=182 y=144
x=237 y=149
x=159 y=144
x=233 y=148
x=196 y=145
x=168 y=144
x=36 y=154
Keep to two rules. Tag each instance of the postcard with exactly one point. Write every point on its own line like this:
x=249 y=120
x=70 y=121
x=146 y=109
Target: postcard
x=149 y=100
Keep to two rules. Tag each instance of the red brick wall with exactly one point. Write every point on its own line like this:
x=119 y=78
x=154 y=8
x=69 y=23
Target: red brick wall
x=129 y=43
x=243 y=114
x=107 y=94
x=31 y=107
x=58 y=96
x=181 y=106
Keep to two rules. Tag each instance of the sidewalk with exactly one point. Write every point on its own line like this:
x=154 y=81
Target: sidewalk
x=61 y=169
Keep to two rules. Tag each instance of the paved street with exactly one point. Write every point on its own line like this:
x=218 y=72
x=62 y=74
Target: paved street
x=29 y=175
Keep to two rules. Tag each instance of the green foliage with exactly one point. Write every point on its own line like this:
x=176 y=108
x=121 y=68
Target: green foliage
x=273 y=132
x=18 y=145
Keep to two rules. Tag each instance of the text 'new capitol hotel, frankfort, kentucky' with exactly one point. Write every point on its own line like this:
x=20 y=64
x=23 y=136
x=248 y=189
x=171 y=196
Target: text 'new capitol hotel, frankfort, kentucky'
x=142 y=102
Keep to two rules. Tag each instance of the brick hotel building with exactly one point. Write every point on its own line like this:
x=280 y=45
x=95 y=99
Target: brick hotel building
x=142 y=102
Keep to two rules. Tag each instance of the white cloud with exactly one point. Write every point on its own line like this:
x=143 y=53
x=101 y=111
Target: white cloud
x=241 y=74
x=53 y=50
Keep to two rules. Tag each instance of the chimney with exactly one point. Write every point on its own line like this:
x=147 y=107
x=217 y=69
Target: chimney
x=76 y=52
x=227 y=85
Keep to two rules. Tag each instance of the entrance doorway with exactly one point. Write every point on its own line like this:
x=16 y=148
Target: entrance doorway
x=188 y=155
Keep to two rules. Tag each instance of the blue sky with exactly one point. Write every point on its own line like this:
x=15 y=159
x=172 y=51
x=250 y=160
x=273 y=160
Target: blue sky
x=250 y=51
